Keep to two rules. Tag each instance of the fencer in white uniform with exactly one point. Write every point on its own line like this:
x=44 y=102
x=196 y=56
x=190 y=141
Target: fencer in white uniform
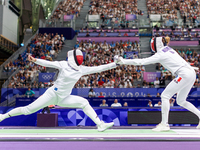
x=59 y=94
x=182 y=84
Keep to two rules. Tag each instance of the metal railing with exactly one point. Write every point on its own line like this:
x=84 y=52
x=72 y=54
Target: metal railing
x=175 y=22
x=110 y=23
x=57 y=23
x=116 y=23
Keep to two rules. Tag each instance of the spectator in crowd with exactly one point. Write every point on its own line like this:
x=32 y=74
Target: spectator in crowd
x=157 y=83
x=119 y=34
x=125 y=104
x=171 y=101
x=101 y=95
x=101 y=82
x=87 y=34
x=116 y=104
x=125 y=34
x=77 y=44
x=150 y=104
x=158 y=95
x=145 y=85
x=29 y=93
x=148 y=95
x=103 y=104
x=91 y=93
x=162 y=80
x=158 y=104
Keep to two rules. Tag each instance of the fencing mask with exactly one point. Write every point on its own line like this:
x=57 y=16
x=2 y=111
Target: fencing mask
x=75 y=58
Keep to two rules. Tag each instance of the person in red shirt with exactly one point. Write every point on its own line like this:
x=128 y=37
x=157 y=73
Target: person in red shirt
x=125 y=44
x=101 y=95
x=125 y=34
x=42 y=56
x=101 y=82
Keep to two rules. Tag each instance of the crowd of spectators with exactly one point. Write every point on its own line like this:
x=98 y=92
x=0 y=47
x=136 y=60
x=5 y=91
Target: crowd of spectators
x=167 y=7
x=115 y=104
x=67 y=7
x=100 y=49
x=120 y=77
x=114 y=11
x=189 y=9
x=102 y=53
x=182 y=33
x=125 y=104
x=43 y=46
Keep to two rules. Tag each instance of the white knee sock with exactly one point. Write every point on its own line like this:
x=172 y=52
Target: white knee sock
x=189 y=106
x=13 y=112
x=88 y=110
x=165 y=111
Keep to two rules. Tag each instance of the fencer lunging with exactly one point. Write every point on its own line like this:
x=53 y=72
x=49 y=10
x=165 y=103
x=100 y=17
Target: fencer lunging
x=181 y=85
x=59 y=94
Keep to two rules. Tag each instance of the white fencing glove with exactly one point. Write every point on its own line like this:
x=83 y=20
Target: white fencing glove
x=118 y=60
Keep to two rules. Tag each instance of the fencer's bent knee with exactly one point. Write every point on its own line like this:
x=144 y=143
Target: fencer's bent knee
x=180 y=103
x=164 y=96
x=25 y=110
x=85 y=103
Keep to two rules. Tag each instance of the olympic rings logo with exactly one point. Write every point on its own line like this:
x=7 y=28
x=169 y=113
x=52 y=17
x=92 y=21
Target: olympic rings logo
x=46 y=76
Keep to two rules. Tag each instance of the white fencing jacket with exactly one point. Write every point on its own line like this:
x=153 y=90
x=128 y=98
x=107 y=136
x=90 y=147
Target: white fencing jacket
x=165 y=55
x=68 y=76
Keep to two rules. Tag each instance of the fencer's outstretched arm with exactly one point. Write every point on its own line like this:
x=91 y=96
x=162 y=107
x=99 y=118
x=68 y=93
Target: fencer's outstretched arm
x=138 y=62
x=45 y=63
x=90 y=70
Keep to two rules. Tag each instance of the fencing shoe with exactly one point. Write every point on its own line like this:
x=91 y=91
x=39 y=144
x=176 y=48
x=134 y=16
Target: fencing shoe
x=103 y=126
x=161 y=127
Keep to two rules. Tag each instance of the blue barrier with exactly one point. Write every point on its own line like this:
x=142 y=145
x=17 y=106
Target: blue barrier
x=132 y=101
x=24 y=101
x=68 y=33
x=76 y=117
x=7 y=93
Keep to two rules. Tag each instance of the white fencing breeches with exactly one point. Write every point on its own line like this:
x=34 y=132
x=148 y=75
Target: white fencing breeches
x=49 y=98
x=181 y=85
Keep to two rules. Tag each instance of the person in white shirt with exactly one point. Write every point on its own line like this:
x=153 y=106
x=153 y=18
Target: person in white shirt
x=103 y=104
x=158 y=104
x=157 y=83
x=116 y=104
x=181 y=85
x=91 y=93
x=171 y=101
x=59 y=94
